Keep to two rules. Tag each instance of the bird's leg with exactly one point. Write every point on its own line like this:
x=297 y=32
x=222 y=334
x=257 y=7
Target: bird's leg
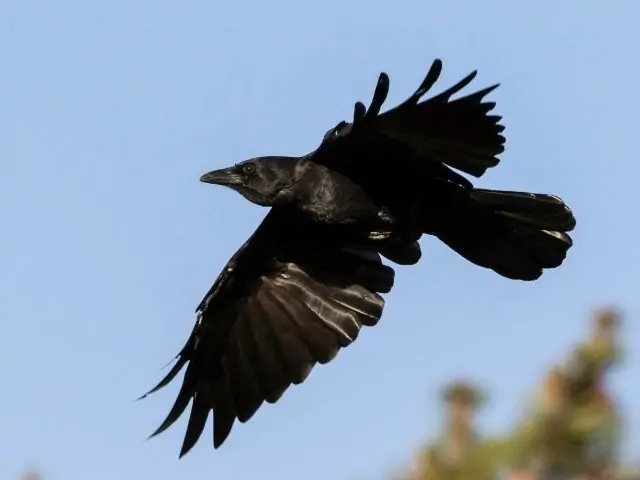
x=378 y=236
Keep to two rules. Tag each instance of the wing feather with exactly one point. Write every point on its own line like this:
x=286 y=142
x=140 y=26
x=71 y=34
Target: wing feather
x=458 y=132
x=272 y=314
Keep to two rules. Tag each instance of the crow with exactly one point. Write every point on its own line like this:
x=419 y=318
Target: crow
x=311 y=275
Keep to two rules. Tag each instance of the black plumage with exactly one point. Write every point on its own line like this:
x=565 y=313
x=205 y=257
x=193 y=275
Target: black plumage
x=289 y=298
x=311 y=275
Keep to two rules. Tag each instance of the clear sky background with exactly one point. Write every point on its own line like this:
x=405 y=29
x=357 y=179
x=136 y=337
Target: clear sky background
x=110 y=111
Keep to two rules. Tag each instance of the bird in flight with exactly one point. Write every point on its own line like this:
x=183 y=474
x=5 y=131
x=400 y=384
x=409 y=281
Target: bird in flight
x=311 y=275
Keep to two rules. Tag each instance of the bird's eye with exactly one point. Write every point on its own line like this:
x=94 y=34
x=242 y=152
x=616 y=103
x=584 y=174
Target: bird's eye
x=248 y=168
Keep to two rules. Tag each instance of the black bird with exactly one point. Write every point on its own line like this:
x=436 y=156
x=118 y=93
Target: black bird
x=311 y=275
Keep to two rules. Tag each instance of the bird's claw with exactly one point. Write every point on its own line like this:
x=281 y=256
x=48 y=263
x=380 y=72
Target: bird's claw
x=377 y=236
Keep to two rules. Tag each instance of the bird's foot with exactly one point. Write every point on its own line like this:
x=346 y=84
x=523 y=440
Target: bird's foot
x=379 y=235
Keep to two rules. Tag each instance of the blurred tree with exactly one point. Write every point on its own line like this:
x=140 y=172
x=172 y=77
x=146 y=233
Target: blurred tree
x=30 y=476
x=543 y=442
x=595 y=417
x=459 y=453
x=575 y=428
x=572 y=432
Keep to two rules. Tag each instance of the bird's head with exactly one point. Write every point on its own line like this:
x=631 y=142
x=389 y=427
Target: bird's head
x=260 y=180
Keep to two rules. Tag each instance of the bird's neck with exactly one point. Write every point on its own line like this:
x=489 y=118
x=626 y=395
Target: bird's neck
x=296 y=184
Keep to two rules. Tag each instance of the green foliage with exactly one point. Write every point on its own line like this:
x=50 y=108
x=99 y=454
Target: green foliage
x=574 y=427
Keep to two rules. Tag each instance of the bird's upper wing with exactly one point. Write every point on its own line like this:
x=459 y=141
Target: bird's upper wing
x=271 y=315
x=459 y=133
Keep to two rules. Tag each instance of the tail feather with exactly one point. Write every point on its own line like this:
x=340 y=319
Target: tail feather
x=536 y=209
x=516 y=234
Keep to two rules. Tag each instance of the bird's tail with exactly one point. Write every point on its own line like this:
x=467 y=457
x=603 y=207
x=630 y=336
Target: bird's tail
x=516 y=234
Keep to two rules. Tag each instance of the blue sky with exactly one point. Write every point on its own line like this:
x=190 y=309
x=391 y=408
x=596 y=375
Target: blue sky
x=110 y=111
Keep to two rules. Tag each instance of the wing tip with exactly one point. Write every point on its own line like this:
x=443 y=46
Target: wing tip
x=184 y=450
x=220 y=437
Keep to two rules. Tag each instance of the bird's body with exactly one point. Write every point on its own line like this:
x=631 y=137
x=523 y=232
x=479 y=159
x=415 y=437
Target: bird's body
x=329 y=197
x=311 y=275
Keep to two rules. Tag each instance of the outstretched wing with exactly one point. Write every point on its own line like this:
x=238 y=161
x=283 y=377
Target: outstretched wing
x=459 y=133
x=275 y=311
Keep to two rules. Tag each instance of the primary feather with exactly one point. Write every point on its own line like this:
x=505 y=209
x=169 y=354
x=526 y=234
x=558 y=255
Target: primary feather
x=272 y=314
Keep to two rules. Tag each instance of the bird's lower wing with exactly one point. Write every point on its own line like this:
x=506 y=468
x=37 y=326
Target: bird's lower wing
x=252 y=340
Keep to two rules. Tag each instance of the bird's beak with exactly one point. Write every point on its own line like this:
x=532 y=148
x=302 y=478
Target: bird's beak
x=224 y=176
